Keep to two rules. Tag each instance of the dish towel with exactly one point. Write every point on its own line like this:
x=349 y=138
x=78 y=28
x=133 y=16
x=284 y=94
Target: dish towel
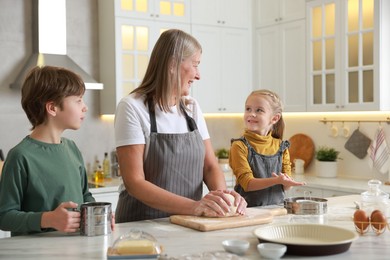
x=379 y=152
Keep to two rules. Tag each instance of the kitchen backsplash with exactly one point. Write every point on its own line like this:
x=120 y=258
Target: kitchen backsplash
x=224 y=128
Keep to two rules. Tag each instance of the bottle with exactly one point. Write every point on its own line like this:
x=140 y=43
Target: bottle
x=99 y=174
x=106 y=166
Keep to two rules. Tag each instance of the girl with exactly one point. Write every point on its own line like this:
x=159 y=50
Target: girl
x=260 y=159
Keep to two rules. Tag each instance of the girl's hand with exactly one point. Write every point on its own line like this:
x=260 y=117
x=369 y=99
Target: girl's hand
x=287 y=181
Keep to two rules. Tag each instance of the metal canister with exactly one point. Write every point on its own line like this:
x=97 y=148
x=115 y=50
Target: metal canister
x=96 y=218
x=305 y=206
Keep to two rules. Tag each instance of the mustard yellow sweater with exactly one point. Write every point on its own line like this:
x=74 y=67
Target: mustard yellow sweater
x=266 y=145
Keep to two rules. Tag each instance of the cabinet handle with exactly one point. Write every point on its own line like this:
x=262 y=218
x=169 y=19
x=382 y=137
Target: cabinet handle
x=223 y=22
x=151 y=15
x=157 y=15
x=218 y=21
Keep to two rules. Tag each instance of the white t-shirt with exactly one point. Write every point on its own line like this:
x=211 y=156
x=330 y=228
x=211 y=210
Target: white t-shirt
x=132 y=122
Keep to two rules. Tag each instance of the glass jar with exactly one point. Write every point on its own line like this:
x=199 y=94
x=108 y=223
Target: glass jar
x=374 y=198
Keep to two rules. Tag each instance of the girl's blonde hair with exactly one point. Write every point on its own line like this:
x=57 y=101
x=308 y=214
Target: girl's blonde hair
x=277 y=108
x=162 y=77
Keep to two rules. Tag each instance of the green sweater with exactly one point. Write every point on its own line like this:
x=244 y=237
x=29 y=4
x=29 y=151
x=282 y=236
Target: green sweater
x=38 y=177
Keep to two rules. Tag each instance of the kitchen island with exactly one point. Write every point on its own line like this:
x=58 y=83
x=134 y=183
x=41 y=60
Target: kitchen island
x=177 y=240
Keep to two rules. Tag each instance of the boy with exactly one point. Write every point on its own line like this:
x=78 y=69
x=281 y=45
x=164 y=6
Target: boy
x=44 y=176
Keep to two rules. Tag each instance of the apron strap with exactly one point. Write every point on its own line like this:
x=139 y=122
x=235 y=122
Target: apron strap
x=190 y=121
x=152 y=116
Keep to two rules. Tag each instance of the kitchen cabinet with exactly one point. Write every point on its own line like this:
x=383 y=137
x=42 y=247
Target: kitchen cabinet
x=348 y=58
x=125 y=47
x=307 y=191
x=280 y=63
x=278 y=11
x=4 y=234
x=334 y=193
x=158 y=10
x=229 y=178
x=225 y=69
x=106 y=196
x=225 y=13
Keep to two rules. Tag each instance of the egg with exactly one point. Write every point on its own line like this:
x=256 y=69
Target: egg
x=378 y=221
x=361 y=221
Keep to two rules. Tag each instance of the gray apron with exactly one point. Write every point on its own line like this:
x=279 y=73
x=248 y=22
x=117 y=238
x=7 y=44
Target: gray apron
x=262 y=167
x=174 y=162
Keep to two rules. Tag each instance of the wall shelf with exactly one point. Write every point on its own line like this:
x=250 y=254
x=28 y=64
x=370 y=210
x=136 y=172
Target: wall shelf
x=326 y=120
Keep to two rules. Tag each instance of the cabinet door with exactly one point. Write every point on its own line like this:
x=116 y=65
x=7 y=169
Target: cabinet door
x=224 y=69
x=235 y=75
x=334 y=193
x=278 y=11
x=306 y=191
x=111 y=197
x=323 y=56
x=207 y=89
x=162 y=10
x=267 y=12
x=281 y=63
x=230 y=13
x=205 y=12
x=236 y=13
x=343 y=57
x=292 y=73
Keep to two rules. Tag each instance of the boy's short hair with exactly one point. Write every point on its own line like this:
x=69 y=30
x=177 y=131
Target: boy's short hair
x=48 y=84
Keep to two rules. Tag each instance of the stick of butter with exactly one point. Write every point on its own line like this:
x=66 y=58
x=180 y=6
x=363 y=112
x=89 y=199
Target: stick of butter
x=136 y=247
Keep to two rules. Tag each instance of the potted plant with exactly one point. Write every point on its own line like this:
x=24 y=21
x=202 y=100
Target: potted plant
x=326 y=165
x=222 y=155
x=223 y=159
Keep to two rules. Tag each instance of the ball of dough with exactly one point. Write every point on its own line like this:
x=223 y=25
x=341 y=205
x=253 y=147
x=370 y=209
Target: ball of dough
x=233 y=208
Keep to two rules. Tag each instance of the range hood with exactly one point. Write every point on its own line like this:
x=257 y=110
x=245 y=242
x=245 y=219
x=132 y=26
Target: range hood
x=49 y=42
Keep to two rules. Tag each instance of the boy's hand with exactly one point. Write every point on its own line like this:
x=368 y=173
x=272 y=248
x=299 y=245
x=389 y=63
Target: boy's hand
x=61 y=218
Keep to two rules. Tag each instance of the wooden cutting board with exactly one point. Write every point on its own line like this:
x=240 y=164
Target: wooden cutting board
x=254 y=216
x=301 y=147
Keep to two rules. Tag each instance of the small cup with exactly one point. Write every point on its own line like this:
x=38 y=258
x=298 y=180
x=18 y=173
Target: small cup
x=299 y=166
x=235 y=246
x=334 y=131
x=346 y=131
x=271 y=250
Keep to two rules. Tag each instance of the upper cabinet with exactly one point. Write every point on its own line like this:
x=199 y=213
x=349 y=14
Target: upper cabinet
x=271 y=12
x=225 y=69
x=348 y=56
x=160 y=10
x=223 y=29
x=226 y=13
x=126 y=43
x=280 y=52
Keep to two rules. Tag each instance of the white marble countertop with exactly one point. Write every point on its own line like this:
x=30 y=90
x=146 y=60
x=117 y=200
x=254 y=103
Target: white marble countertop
x=177 y=240
x=339 y=183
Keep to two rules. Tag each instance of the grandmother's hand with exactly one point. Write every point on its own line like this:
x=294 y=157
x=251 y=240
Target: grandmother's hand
x=217 y=204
